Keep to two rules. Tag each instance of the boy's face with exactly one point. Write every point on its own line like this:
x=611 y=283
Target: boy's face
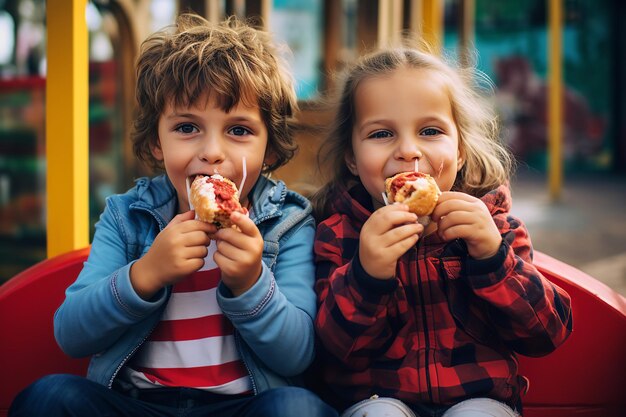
x=400 y=118
x=203 y=139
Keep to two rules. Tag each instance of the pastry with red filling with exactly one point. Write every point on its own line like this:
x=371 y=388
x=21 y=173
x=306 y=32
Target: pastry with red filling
x=417 y=190
x=214 y=198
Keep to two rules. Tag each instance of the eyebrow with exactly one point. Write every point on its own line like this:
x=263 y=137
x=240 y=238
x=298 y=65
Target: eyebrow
x=373 y=122
x=175 y=115
x=234 y=119
x=246 y=119
x=426 y=119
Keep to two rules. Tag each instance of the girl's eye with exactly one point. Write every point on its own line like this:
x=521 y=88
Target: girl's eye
x=431 y=131
x=239 y=131
x=186 y=128
x=380 y=134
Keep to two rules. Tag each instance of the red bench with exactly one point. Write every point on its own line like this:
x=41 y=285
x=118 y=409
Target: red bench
x=585 y=377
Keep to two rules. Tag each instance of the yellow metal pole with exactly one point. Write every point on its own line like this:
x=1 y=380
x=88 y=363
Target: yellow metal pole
x=67 y=133
x=555 y=99
x=432 y=28
x=467 y=31
x=389 y=22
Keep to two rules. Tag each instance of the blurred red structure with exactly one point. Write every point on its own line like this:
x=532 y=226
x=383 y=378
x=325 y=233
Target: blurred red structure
x=524 y=97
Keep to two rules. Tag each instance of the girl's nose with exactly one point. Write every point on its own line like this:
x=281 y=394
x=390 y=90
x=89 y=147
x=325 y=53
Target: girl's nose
x=407 y=149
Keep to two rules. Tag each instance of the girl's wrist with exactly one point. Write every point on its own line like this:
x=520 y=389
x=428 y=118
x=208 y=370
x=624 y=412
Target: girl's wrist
x=485 y=250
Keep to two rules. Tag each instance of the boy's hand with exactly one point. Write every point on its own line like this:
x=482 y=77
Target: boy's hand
x=177 y=251
x=461 y=216
x=385 y=237
x=239 y=254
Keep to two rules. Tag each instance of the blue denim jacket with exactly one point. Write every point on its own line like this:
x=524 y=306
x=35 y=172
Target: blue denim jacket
x=104 y=317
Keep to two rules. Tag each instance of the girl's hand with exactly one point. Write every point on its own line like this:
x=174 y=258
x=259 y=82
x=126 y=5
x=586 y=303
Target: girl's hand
x=177 y=251
x=461 y=216
x=239 y=254
x=385 y=237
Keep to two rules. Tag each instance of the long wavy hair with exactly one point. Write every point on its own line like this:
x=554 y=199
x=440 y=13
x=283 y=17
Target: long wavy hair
x=488 y=163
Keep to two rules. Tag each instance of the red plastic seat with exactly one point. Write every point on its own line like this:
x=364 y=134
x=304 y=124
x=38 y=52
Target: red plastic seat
x=585 y=377
x=28 y=301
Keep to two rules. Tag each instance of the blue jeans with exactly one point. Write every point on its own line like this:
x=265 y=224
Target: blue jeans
x=70 y=395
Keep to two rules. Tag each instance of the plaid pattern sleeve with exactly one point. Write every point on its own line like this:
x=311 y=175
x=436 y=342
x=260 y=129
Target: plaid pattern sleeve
x=351 y=320
x=532 y=315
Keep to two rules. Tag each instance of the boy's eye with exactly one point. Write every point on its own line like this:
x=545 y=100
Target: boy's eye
x=239 y=131
x=186 y=128
x=431 y=131
x=380 y=134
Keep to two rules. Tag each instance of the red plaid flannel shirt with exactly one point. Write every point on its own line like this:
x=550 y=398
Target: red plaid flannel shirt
x=446 y=328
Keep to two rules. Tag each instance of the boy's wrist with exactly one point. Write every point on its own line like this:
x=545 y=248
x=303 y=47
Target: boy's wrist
x=237 y=290
x=143 y=287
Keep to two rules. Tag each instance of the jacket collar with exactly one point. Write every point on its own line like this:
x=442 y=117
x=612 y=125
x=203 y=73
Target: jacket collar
x=158 y=196
x=267 y=199
x=355 y=202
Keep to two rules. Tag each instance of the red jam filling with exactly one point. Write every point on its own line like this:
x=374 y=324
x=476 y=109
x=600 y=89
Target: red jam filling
x=224 y=195
x=400 y=180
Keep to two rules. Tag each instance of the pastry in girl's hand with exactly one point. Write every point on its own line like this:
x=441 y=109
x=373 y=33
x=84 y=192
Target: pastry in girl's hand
x=417 y=190
x=214 y=198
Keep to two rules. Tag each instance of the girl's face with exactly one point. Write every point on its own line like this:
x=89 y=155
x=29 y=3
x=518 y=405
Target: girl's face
x=204 y=139
x=400 y=118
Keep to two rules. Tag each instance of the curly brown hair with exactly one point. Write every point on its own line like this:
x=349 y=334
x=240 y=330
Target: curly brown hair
x=232 y=62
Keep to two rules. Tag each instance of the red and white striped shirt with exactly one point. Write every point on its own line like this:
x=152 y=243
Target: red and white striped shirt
x=194 y=344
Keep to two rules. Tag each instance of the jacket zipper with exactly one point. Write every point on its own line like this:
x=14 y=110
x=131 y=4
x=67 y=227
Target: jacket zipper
x=424 y=323
x=131 y=353
x=243 y=359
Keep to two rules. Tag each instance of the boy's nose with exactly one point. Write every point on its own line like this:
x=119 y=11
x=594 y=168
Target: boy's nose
x=211 y=151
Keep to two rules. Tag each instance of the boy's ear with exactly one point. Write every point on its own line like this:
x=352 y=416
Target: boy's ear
x=157 y=152
x=270 y=158
x=351 y=163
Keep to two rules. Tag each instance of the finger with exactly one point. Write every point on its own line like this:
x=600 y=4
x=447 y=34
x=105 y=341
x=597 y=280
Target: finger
x=195 y=252
x=194 y=264
x=401 y=233
x=197 y=225
x=455 y=195
x=459 y=218
x=245 y=224
x=230 y=251
x=240 y=248
x=196 y=238
x=210 y=228
x=383 y=221
x=403 y=245
x=225 y=263
x=457 y=231
x=445 y=208
x=391 y=208
x=182 y=217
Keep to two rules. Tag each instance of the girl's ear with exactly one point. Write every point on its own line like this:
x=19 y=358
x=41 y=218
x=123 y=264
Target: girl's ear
x=460 y=160
x=351 y=163
x=157 y=152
